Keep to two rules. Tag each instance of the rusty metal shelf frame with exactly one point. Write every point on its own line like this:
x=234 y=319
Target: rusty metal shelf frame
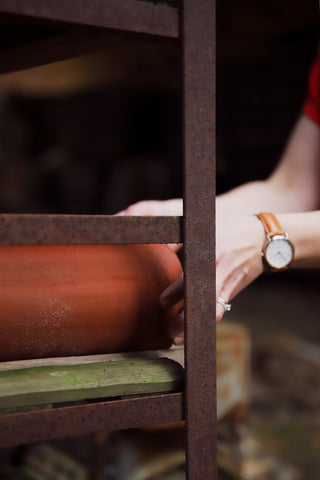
x=84 y=419
x=29 y=229
x=199 y=236
x=136 y=16
x=197 y=21
x=77 y=28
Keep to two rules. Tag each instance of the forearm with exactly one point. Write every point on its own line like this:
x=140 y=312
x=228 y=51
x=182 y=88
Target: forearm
x=304 y=232
x=292 y=187
x=256 y=197
x=170 y=207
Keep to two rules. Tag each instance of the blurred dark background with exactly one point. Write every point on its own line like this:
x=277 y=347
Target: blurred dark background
x=96 y=133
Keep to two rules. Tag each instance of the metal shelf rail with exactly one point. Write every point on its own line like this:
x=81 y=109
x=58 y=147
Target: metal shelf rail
x=76 y=27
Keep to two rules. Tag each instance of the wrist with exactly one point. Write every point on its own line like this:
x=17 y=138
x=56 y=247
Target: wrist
x=304 y=230
x=278 y=250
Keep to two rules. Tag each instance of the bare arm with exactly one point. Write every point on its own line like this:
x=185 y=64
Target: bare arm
x=291 y=189
x=294 y=186
x=155 y=207
x=304 y=231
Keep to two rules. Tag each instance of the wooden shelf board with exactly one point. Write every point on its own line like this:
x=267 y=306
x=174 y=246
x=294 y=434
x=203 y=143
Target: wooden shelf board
x=43 y=385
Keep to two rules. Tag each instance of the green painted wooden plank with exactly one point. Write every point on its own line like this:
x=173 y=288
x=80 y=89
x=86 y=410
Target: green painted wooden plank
x=54 y=384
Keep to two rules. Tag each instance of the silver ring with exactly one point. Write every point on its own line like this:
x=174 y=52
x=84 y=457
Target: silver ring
x=226 y=305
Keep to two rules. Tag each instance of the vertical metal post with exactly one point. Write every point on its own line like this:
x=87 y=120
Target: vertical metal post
x=198 y=30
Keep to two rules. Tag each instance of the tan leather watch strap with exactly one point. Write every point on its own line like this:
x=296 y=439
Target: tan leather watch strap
x=270 y=224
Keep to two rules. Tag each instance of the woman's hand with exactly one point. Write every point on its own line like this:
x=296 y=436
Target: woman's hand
x=151 y=208
x=155 y=207
x=171 y=300
x=239 y=241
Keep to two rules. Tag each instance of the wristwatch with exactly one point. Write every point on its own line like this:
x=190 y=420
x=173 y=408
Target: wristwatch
x=277 y=251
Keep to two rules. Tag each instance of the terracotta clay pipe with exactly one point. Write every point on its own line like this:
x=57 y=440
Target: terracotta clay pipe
x=80 y=300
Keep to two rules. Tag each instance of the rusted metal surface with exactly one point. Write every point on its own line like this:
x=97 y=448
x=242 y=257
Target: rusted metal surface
x=22 y=428
x=198 y=21
x=126 y=15
x=30 y=37
x=29 y=229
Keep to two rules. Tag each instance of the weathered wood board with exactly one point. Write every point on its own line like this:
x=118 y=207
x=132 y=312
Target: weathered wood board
x=54 y=384
x=173 y=353
x=130 y=373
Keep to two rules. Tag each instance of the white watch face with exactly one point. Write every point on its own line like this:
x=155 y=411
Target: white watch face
x=279 y=252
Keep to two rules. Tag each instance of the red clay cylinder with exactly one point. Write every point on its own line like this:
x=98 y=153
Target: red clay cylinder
x=83 y=299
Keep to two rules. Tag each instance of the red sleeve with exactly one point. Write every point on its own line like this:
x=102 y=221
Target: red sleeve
x=311 y=106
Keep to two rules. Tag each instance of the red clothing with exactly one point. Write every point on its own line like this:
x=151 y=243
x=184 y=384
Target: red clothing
x=311 y=107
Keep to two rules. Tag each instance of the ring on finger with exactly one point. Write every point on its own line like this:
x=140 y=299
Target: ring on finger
x=225 y=304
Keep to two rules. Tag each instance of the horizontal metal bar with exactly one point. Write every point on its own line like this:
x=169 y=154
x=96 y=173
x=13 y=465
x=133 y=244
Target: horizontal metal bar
x=38 y=229
x=126 y=15
x=27 y=427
